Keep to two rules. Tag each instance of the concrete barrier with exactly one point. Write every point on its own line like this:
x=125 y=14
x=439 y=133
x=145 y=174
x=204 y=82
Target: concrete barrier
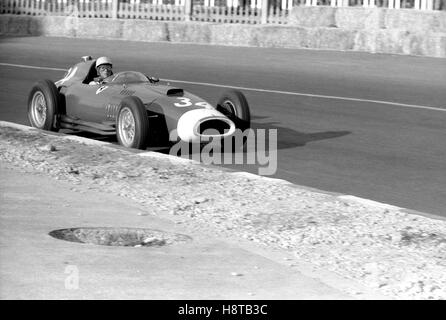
x=100 y=28
x=357 y=18
x=15 y=25
x=141 y=30
x=313 y=17
x=375 y=30
x=188 y=32
x=415 y=20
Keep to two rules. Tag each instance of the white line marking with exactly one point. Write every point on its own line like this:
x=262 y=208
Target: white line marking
x=30 y=67
x=368 y=202
x=310 y=95
x=175 y=159
x=87 y=141
x=404 y=105
x=16 y=126
x=48 y=133
x=254 y=176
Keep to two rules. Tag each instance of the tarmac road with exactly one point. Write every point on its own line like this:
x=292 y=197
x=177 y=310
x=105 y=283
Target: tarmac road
x=386 y=152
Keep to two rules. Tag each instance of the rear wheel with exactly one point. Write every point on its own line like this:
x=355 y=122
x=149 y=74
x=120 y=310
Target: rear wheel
x=132 y=124
x=43 y=106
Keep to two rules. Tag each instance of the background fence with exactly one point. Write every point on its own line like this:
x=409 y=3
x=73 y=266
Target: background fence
x=222 y=11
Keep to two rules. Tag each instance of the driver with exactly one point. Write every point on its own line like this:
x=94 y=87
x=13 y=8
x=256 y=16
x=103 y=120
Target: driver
x=104 y=69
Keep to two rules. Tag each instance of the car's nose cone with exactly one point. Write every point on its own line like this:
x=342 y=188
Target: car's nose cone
x=200 y=125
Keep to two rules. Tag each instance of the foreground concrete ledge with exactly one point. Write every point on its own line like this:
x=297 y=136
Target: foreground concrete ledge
x=357 y=29
x=351 y=243
x=35 y=265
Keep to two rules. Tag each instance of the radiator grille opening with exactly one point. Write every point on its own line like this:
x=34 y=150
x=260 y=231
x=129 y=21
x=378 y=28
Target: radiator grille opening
x=218 y=126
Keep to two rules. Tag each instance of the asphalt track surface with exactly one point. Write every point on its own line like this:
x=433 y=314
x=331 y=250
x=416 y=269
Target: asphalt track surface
x=333 y=133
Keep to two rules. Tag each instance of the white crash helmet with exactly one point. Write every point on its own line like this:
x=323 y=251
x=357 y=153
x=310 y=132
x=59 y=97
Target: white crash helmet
x=103 y=60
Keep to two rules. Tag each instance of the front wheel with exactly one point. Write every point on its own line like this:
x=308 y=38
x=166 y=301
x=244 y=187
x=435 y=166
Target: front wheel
x=132 y=123
x=234 y=105
x=43 y=105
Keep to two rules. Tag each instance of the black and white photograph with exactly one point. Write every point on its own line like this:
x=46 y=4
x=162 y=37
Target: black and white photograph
x=223 y=154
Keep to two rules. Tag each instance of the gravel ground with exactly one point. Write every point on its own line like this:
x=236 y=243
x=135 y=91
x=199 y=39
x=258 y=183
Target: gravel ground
x=399 y=254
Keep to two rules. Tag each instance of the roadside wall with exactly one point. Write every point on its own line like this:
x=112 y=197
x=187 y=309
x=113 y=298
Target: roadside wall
x=404 y=31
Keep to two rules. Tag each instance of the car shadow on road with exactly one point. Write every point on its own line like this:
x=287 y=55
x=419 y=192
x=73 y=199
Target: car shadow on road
x=288 y=138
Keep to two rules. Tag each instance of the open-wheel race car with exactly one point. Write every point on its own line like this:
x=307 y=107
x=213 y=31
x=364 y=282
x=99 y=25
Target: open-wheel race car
x=136 y=108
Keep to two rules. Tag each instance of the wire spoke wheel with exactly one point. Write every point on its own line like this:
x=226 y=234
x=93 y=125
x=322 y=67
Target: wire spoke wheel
x=38 y=109
x=44 y=102
x=228 y=108
x=132 y=123
x=127 y=126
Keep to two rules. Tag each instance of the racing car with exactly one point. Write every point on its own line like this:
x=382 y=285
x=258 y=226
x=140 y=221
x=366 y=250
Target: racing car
x=137 y=108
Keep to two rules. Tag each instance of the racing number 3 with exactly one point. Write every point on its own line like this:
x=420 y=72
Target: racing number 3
x=186 y=102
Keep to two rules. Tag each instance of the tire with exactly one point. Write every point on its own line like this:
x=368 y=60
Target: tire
x=43 y=106
x=132 y=123
x=234 y=105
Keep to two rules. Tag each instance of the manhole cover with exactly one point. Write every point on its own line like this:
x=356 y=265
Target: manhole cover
x=127 y=237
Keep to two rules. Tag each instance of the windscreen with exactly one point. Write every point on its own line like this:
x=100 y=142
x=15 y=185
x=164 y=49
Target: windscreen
x=128 y=77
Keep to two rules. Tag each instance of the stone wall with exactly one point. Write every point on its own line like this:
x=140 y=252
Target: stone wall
x=411 y=32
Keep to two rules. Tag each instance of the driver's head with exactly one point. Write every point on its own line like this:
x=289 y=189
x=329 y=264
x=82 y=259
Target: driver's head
x=104 y=67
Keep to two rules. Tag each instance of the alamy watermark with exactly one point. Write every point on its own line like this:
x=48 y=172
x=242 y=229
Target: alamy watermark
x=250 y=147
x=72 y=280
